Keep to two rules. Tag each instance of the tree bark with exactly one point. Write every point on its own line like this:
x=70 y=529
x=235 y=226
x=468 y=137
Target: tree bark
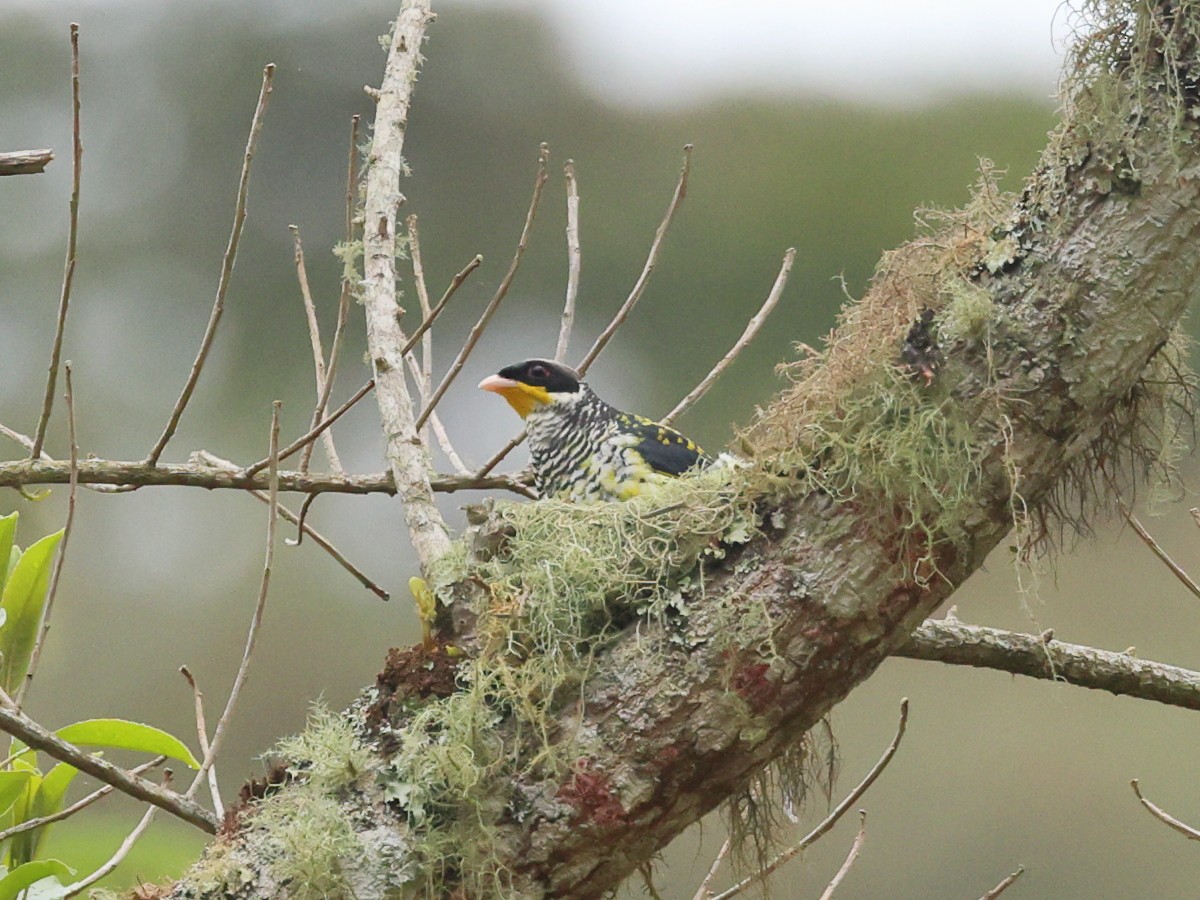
x=1085 y=276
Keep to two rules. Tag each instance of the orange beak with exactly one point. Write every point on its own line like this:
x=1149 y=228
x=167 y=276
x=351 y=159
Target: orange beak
x=524 y=398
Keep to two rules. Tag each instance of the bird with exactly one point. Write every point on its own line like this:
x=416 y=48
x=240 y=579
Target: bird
x=582 y=448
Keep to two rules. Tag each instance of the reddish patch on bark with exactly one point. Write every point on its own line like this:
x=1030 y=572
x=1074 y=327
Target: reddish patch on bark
x=252 y=791
x=410 y=675
x=591 y=794
x=750 y=682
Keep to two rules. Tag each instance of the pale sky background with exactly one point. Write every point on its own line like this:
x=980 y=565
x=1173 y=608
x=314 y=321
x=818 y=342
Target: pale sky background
x=664 y=52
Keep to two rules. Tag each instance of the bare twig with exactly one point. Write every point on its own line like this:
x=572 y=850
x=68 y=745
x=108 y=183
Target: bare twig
x=1032 y=655
x=202 y=736
x=309 y=436
x=235 y=236
x=451 y=289
x=752 y=328
x=704 y=892
x=651 y=261
x=408 y=458
x=351 y=175
x=1003 y=885
x=501 y=291
x=25 y=729
x=118 y=857
x=343 y=313
x=830 y=820
x=499 y=456
x=24 y=162
x=1148 y=539
x=80 y=804
x=72 y=491
x=574 y=262
x=623 y=313
x=318 y=351
x=301 y=520
x=1165 y=817
x=298 y=519
x=128 y=474
x=325 y=544
x=850 y=857
x=260 y=606
x=422 y=371
x=64 y=300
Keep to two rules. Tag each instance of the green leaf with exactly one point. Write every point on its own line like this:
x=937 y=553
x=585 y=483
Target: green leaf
x=20 y=848
x=12 y=787
x=48 y=799
x=23 y=600
x=126 y=735
x=8 y=530
x=23 y=876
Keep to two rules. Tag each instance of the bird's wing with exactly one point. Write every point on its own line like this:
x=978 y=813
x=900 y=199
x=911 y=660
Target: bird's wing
x=664 y=449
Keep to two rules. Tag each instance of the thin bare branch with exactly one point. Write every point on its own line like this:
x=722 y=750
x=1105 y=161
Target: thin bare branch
x=651 y=261
x=260 y=606
x=25 y=729
x=1032 y=655
x=1003 y=885
x=343 y=313
x=499 y=456
x=623 y=313
x=704 y=892
x=352 y=176
x=574 y=263
x=424 y=373
x=24 y=162
x=501 y=291
x=60 y=559
x=1148 y=539
x=127 y=474
x=752 y=329
x=318 y=351
x=451 y=290
x=287 y=515
x=64 y=300
x=830 y=820
x=309 y=436
x=80 y=804
x=235 y=236
x=850 y=857
x=202 y=736
x=118 y=857
x=1165 y=817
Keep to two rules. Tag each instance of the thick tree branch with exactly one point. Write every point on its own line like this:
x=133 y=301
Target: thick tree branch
x=1028 y=654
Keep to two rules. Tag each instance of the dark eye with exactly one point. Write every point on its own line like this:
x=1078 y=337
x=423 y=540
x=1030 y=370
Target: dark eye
x=539 y=372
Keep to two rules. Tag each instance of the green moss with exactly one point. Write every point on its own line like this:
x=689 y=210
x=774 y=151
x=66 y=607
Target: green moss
x=1137 y=57
x=968 y=313
x=327 y=754
x=308 y=837
x=559 y=587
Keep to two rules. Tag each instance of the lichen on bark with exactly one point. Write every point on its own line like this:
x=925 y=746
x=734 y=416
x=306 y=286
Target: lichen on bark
x=580 y=737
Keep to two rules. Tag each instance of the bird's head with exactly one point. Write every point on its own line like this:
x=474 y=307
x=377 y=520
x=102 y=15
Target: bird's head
x=534 y=385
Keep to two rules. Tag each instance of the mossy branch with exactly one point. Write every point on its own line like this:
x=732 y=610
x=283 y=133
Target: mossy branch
x=607 y=676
